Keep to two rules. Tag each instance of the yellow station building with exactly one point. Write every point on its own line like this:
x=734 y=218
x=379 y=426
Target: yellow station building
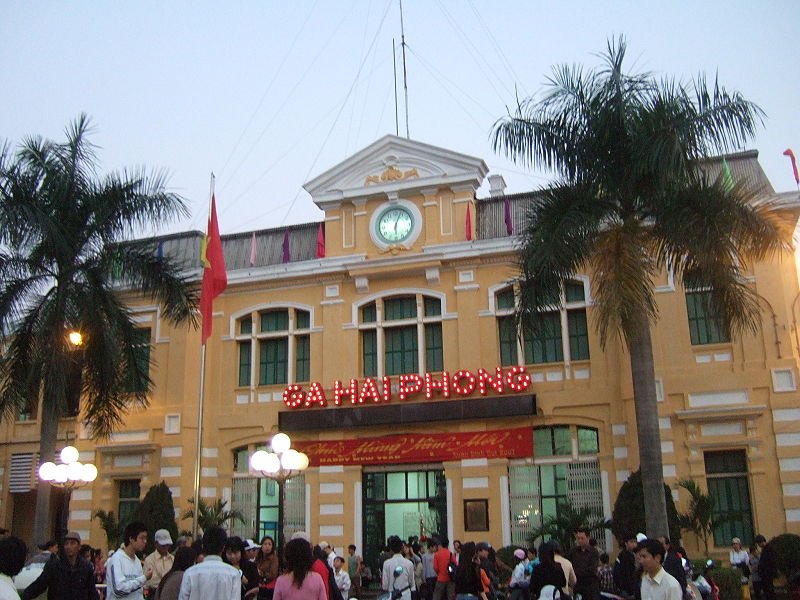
x=392 y=361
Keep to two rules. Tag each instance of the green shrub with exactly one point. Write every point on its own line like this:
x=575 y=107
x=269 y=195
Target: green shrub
x=729 y=582
x=506 y=554
x=628 y=515
x=157 y=512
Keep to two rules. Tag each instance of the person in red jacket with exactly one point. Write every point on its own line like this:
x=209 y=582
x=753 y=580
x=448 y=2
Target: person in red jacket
x=441 y=561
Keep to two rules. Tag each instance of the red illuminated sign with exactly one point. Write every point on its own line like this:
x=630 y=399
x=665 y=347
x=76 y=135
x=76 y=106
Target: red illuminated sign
x=428 y=385
x=418 y=447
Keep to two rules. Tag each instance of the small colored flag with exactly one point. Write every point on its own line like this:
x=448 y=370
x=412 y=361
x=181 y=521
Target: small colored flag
x=320 y=242
x=507 y=216
x=468 y=224
x=215 y=279
x=788 y=152
x=727 y=178
x=253 y=250
x=287 y=257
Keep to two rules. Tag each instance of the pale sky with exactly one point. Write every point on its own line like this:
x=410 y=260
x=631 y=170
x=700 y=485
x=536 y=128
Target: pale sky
x=269 y=94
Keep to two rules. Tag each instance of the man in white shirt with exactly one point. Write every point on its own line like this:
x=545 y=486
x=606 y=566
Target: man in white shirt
x=657 y=584
x=12 y=558
x=566 y=566
x=341 y=577
x=125 y=577
x=212 y=579
x=404 y=581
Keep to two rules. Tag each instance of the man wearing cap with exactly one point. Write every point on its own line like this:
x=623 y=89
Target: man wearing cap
x=67 y=575
x=330 y=553
x=159 y=561
x=251 y=550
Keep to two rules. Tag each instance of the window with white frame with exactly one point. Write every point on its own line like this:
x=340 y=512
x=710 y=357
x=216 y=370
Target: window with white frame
x=565 y=471
x=401 y=334
x=274 y=347
x=562 y=334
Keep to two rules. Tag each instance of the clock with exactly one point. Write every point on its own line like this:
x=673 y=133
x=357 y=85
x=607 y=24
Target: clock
x=395 y=224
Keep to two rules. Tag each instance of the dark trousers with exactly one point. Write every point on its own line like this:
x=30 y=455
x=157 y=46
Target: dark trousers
x=588 y=588
x=428 y=586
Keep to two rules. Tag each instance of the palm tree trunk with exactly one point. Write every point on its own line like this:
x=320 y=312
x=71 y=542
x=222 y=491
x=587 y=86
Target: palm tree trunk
x=644 y=395
x=42 y=527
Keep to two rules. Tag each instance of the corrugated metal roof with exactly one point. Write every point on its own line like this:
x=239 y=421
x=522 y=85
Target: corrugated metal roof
x=490 y=223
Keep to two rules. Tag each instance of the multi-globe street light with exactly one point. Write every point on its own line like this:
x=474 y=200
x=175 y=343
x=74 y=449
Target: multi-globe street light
x=70 y=474
x=280 y=464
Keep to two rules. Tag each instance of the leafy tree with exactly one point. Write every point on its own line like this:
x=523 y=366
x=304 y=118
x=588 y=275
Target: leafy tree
x=628 y=516
x=630 y=201
x=62 y=260
x=563 y=525
x=157 y=512
x=785 y=551
x=212 y=515
x=113 y=528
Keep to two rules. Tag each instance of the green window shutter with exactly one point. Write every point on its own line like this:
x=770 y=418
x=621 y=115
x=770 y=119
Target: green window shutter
x=433 y=307
x=401 y=350
x=505 y=299
x=704 y=326
x=302 y=361
x=726 y=472
x=400 y=308
x=545 y=345
x=302 y=319
x=275 y=320
x=245 y=362
x=246 y=325
x=508 y=340
x=578 y=334
x=574 y=291
x=369 y=352
x=273 y=361
x=368 y=313
x=434 y=350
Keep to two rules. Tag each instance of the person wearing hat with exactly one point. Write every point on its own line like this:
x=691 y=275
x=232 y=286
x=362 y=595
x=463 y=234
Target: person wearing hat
x=251 y=550
x=67 y=575
x=519 y=582
x=329 y=552
x=159 y=561
x=740 y=559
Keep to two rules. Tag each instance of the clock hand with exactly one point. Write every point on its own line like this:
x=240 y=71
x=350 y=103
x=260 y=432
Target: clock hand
x=396 y=221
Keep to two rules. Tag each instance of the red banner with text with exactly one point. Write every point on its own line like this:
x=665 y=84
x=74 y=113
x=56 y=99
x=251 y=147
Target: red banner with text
x=420 y=447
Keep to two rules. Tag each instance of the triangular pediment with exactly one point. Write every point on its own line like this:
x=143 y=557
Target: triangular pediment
x=394 y=165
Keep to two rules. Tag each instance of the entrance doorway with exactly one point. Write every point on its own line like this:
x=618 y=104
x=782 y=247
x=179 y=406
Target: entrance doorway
x=408 y=504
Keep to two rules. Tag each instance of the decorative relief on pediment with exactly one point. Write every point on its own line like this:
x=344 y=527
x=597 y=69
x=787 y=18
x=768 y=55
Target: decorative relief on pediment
x=391 y=173
x=393 y=249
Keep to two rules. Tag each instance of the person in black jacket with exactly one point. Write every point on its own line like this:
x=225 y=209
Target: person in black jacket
x=234 y=556
x=547 y=572
x=673 y=564
x=66 y=576
x=625 y=567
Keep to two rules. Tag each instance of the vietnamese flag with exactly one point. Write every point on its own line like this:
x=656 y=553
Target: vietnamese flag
x=468 y=225
x=320 y=242
x=788 y=152
x=215 y=279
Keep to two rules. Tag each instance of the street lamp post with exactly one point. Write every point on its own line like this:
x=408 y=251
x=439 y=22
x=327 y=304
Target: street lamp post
x=70 y=474
x=280 y=464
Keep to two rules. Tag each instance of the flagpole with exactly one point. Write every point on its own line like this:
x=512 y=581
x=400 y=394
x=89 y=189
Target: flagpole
x=200 y=403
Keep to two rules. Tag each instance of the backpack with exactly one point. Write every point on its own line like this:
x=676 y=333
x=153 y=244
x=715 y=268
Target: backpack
x=452 y=567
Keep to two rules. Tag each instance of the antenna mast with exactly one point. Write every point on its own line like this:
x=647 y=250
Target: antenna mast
x=396 y=117
x=405 y=77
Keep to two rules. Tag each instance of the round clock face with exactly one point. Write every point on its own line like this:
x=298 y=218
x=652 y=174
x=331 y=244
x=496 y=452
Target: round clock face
x=395 y=224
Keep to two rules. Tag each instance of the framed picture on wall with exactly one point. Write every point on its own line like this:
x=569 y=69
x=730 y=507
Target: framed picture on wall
x=476 y=515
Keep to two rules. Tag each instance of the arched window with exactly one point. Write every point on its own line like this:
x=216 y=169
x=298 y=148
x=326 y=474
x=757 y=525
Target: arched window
x=562 y=336
x=274 y=347
x=401 y=334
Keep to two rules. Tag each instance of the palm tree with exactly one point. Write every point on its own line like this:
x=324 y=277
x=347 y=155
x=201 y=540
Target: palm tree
x=212 y=515
x=563 y=525
x=699 y=518
x=631 y=201
x=113 y=528
x=63 y=263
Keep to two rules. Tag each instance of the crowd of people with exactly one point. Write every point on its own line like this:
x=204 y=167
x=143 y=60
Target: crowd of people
x=219 y=567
